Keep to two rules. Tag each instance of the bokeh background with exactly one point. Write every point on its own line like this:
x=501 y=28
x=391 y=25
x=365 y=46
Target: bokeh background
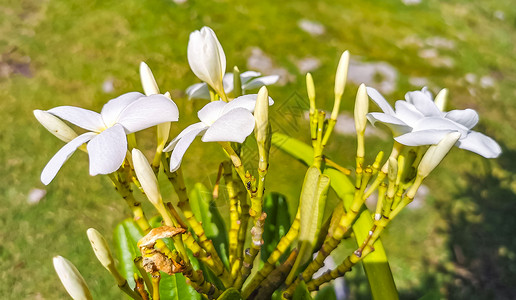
x=456 y=241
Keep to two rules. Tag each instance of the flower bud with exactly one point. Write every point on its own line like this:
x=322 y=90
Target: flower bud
x=101 y=249
x=340 y=82
x=150 y=87
x=436 y=153
x=55 y=126
x=206 y=58
x=261 y=115
x=71 y=279
x=361 y=109
x=441 y=99
x=393 y=169
x=146 y=177
x=310 y=89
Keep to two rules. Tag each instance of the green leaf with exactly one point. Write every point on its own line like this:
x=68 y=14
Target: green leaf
x=375 y=264
x=278 y=222
x=326 y=293
x=294 y=147
x=174 y=287
x=205 y=210
x=126 y=235
x=311 y=206
x=301 y=292
x=230 y=294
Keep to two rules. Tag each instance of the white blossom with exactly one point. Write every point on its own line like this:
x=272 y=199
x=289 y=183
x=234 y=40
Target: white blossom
x=206 y=58
x=419 y=121
x=220 y=122
x=107 y=130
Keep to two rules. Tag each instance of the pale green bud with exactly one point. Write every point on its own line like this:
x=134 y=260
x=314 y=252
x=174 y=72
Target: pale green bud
x=393 y=169
x=150 y=87
x=310 y=89
x=55 y=125
x=342 y=73
x=436 y=153
x=361 y=109
x=71 y=279
x=261 y=115
x=101 y=249
x=146 y=177
x=441 y=99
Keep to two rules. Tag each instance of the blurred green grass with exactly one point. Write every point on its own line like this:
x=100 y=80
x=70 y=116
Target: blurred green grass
x=61 y=52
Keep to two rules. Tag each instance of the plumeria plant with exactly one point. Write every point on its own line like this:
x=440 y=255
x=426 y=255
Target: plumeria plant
x=184 y=250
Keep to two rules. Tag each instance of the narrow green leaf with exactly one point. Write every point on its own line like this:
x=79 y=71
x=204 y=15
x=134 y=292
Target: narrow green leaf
x=278 y=222
x=294 y=147
x=205 y=209
x=230 y=294
x=301 y=292
x=126 y=235
x=311 y=206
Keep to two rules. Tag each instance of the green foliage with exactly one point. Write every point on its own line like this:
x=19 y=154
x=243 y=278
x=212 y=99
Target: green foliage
x=326 y=293
x=230 y=294
x=301 y=292
x=278 y=222
x=126 y=235
x=174 y=287
x=205 y=209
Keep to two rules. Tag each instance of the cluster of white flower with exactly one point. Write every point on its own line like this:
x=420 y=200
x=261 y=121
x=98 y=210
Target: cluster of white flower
x=416 y=121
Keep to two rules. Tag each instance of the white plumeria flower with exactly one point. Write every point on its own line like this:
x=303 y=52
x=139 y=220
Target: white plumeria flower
x=418 y=121
x=107 y=141
x=220 y=122
x=206 y=58
x=249 y=79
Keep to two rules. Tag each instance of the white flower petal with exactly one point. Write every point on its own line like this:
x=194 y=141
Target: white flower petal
x=194 y=127
x=107 y=150
x=227 y=81
x=467 y=117
x=380 y=101
x=440 y=124
x=248 y=75
x=423 y=137
x=147 y=112
x=234 y=126
x=261 y=81
x=386 y=119
x=480 y=144
x=247 y=101
x=407 y=112
x=211 y=112
x=112 y=109
x=81 y=117
x=183 y=143
x=198 y=91
x=206 y=56
x=423 y=103
x=57 y=161
x=427 y=92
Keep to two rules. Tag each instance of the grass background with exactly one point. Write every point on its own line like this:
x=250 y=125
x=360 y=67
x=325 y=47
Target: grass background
x=459 y=244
